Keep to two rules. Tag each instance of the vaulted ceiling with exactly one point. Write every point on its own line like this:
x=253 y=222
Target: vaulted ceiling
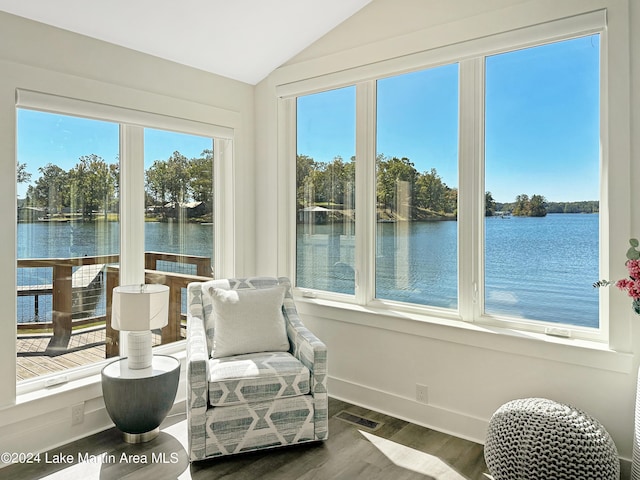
x=240 y=39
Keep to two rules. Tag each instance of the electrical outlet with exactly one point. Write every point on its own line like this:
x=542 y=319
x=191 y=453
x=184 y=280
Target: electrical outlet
x=422 y=393
x=77 y=413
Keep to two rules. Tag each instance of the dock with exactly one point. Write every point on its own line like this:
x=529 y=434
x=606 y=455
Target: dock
x=85 y=276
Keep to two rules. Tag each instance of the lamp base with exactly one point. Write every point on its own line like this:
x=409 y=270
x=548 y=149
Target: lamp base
x=139 y=350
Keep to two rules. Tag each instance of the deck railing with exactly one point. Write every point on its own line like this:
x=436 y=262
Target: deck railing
x=68 y=287
x=175 y=281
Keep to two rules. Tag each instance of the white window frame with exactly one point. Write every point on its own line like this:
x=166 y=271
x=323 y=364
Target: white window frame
x=470 y=56
x=131 y=150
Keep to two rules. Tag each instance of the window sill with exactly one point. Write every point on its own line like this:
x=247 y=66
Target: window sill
x=536 y=345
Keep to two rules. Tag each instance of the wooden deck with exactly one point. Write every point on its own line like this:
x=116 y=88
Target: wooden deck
x=84 y=348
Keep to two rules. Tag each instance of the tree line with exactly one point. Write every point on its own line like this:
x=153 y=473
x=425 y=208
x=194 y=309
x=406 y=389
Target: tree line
x=402 y=192
x=93 y=185
x=540 y=204
x=180 y=179
x=524 y=206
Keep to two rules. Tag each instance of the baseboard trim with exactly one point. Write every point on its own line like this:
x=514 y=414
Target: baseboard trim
x=444 y=420
x=435 y=417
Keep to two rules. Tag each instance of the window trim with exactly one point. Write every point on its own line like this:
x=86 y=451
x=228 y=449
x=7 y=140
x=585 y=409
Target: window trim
x=131 y=150
x=47 y=102
x=555 y=30
x=470 y=56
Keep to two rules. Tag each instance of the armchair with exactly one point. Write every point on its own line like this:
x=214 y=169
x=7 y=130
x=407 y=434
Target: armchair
x=243 y=395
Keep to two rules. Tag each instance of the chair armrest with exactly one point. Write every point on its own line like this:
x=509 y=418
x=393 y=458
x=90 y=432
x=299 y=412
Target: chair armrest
x=312 y=352
x=306 y=347
x=197 y=386
x=197 y=361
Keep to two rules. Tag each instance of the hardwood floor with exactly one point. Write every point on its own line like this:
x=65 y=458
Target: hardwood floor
x=397 y=450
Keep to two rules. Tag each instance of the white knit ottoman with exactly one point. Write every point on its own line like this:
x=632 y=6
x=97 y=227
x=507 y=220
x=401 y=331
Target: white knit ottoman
x=539 y=439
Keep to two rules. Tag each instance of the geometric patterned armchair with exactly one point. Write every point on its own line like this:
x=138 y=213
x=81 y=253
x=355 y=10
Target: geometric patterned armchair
x=241 y=395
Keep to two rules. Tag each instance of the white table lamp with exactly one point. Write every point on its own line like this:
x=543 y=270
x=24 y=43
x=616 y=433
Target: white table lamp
x=139 y=309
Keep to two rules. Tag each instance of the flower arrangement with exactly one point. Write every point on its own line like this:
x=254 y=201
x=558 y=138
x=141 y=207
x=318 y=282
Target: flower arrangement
x=631 y=285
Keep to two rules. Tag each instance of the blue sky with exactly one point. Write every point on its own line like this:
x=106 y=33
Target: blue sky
x=61 y=140
x=542 y=121
x=542 y=130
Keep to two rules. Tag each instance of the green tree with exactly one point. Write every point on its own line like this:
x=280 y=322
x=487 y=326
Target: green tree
x=51 y=189
x=522 y=204
x=390 y=172
x=452 y=201
x=338 y=176
x=201 y=178
x=537 y=206
x=157 y=181
x=306 y=180
x=22 y=176
x=489 y=205
x=114 y=174
x=92 y=185
x=432 y=192
x=178 y=177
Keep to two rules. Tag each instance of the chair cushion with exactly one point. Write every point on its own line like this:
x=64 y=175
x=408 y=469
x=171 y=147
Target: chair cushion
x=256 y=377
x=248 y=321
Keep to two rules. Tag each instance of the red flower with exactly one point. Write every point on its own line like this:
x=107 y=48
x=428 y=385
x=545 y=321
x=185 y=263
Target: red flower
x=631 y=286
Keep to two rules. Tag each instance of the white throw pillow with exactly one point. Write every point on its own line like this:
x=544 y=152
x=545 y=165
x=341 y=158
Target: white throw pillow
x=248 y=321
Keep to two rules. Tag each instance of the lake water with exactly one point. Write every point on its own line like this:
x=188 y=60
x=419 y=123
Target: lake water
x=62 y=240
x=536 y=268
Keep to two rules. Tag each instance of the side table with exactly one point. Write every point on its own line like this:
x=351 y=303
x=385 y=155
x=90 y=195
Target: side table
x=138 y=400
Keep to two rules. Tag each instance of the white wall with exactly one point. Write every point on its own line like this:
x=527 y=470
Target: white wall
x=376 y=359
x=41 y=58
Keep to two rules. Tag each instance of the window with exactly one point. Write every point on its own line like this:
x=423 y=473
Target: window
x=325 y=191
x=178 y=214
x=416 y=187
x=542 y=158
x=97 y=200
x=485 y=174
x=68 y=233
x=179 y=200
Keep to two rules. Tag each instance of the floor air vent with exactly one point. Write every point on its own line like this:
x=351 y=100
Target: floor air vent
x=358 y=420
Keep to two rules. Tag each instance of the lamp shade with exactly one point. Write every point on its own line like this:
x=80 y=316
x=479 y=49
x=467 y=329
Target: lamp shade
x=140 y=307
